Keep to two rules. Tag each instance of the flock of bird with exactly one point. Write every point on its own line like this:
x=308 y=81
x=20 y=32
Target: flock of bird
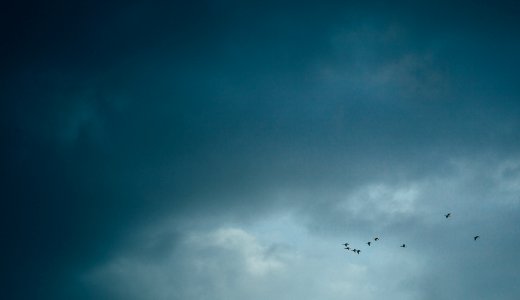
x=348 y=248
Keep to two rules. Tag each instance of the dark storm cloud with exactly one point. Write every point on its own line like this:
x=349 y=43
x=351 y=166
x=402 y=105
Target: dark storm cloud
x=119 y=114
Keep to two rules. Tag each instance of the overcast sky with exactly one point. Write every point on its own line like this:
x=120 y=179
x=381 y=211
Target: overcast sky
x=225 y=150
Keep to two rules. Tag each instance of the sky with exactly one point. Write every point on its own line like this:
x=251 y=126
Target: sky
x=227 y=149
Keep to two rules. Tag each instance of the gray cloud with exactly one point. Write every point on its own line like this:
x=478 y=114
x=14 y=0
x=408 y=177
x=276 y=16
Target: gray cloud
x=224 y=151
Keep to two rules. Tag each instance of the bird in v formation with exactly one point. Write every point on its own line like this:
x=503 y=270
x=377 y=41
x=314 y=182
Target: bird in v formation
x=402 y=246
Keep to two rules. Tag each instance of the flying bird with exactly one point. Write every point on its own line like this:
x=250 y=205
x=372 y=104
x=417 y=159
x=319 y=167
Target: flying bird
x=348 y=248
x=354 y=250
x=403 y=246
x=358 y=251
x=476 y=237
x=346 y=244
x=447 y=215
x=376 y=239
x=368 y=243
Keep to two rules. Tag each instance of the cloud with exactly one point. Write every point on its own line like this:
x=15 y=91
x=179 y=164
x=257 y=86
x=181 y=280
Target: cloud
x=237 y=262
x=225 y=151
x=226 y=263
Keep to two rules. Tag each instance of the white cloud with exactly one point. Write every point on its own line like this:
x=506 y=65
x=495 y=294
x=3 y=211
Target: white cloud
x=245 y=262
x=257 y=259
x=507 y=176
x=375 y=201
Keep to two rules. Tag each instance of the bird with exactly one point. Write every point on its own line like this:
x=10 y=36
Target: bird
x=368 y=243
x=346 y=244
x=348 y=248
x=376 y=239
x=403 y=246
x=476 y=237
x=358 y=251
x=447 y=215
x=354 y=250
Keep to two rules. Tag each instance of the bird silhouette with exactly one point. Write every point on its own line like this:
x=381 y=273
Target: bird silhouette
x=354 y=250
x=403 y=246
x=476 y=237
x=358 y=251
x=348 y=248
x=346 y=244
x=376 y=239
x=447 y=215
x=368 y=243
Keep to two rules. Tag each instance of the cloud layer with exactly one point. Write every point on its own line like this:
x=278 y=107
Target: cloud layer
x=223 y=150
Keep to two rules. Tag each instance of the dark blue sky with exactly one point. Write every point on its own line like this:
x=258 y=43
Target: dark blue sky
x=223 y=150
